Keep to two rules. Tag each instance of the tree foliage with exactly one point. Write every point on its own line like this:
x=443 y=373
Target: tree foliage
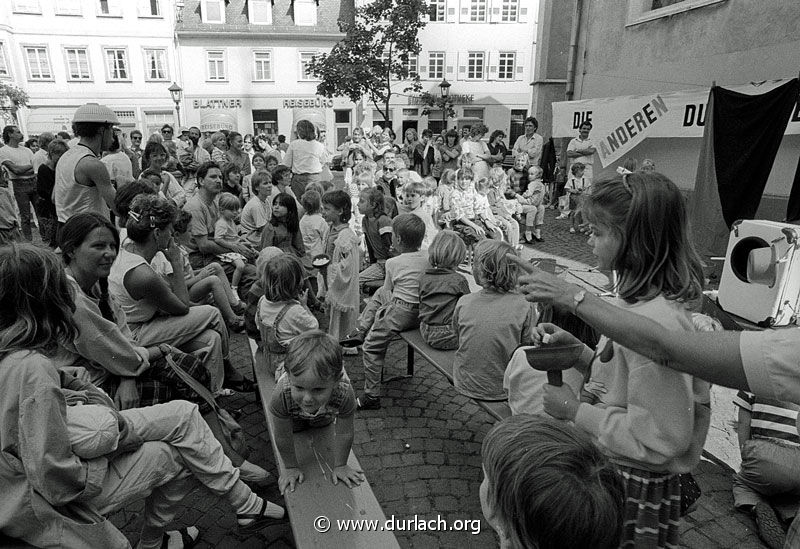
x=11 y=99
x=432 y=100
x=371 y=61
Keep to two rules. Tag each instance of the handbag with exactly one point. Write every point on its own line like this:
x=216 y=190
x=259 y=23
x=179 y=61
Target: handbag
x=226 y=430
x=690 y=492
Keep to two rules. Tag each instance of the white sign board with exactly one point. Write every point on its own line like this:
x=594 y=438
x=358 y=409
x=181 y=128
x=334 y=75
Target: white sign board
x=621 y=123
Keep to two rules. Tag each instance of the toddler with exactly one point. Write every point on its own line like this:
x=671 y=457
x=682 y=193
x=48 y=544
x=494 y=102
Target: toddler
x=532 y=199
x=439 y=290
x=377 y=228
x=394 y=308
x=502 y=208
x=484 y=210
x=576 y=187
x=442 y=213
x=483 y=353
x=314 y=392
x=226 y=235
x=313 y=226
x=413 y=202
x=282 y=313
x=545 y=484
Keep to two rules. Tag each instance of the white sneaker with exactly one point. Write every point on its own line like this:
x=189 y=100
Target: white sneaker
x=572 y=230
x=562 y=216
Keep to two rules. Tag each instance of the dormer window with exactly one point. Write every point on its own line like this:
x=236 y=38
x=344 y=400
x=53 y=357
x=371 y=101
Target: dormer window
x=259 y=12
x=212 y=11
x=305 y=13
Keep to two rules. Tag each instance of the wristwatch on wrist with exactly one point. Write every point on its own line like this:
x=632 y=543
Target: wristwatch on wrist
x=577 y=299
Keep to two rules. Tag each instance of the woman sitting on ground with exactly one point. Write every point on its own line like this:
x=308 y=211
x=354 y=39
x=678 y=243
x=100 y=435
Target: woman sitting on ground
x=53 y=497
x=155 y=157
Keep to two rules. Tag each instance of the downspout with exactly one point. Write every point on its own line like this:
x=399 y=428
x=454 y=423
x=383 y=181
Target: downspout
x=569 y=93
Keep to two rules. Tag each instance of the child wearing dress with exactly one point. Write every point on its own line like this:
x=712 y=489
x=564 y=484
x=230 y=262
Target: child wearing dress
x=439 y=290
x=282 y=313
x=226 y=234
x=483 y=353
x=314 y=392
x=341 y=245
x=651 y=420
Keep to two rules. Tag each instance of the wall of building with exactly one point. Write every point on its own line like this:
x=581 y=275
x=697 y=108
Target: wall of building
x=552 y=55
x=137 y=100
x=727 y=41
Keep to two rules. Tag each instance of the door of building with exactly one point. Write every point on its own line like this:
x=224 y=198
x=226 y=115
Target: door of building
x=342 y=125
x=517 y=125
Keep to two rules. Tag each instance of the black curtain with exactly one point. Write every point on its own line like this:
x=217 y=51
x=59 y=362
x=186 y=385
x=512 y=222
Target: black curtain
x=793 y=208
x=748 y=130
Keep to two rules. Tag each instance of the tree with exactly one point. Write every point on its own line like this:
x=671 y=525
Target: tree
x=373 y=57
x=11 y=99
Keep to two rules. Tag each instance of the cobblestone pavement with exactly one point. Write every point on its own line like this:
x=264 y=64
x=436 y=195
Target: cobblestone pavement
x=421 y=452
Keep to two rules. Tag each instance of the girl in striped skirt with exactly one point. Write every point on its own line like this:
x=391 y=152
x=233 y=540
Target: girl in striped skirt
x=650 y=420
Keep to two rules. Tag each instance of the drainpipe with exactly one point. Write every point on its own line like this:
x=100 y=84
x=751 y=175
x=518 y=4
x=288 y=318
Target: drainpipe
x=573 y=51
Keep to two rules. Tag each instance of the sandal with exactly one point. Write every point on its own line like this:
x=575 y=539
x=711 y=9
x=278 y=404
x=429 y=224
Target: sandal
x=260 y=520
x=186 y=538
x=239 y=308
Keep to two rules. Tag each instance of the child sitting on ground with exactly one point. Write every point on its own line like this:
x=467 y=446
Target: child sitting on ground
x=226 y=235
x=256 y=292
x=545 y=484
x=462 y=200
x=483 y=354
x=484 y=210
x=413 y=201
x=502 y=208
x=377 y=228
x=314 y=392
x=439 y=290
x=394 y=308
x=282 y=313
x=576 y=187
x=444 y=191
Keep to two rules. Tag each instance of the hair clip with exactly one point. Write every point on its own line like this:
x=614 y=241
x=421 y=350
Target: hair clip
x=135 y=216
x=152 y=222
x=625 y=173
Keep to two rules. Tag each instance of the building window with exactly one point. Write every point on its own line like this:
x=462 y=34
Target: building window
x=117 y=64
x=155 y=64
x=68 y=7
x=216 y=65
x=306 y=57
x=642 y=11
x=154 y=120
x=436 y=65
x=475 y=62
x=259 y=12
x=509 y=11
x=658 y=4
x=436 y=10
x=77 y=64
x=262 y=69
x=38 y=63
x=477 y=11
x=149 y=8
x=265 y=121
x=473 y=113
x=411 y=66
x=505 y=69
x=109 y=8
x=305 y=12
x=4 y=72
x=27 y=6
x=212 y=11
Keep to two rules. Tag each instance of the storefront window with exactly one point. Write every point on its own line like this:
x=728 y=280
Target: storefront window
x=265 y=121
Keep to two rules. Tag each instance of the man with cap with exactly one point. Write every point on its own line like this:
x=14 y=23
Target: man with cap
x=82 y=181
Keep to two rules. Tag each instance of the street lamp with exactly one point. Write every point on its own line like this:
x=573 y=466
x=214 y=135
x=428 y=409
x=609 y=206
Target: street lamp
x=175 y=91
x=444 y=90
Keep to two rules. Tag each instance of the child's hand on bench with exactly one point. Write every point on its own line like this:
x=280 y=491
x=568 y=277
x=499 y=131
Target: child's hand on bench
x=351 y=477
x=290 y=478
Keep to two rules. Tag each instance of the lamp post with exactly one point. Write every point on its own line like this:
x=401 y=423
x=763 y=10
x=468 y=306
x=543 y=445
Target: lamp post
x=175 y=91
x=444 y=90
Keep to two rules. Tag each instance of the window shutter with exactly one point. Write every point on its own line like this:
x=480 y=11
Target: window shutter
x=495 y=11
x=463 y=16
x=422 y=67
x=492 y=65
x=523 y=13
x=450 y=65
x=450 y=11
x=463 y=58
x=519 y=68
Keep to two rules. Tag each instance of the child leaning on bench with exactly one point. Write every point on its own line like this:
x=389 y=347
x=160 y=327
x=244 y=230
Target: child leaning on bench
x=314 y=391
x=394 y=308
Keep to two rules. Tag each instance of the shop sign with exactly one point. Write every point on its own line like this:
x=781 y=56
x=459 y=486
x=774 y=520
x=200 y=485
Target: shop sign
x=453 y=99
x=217 y=103
x=308 y=103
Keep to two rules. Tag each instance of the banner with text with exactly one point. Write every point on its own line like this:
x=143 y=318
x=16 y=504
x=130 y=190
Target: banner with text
x=621 y=123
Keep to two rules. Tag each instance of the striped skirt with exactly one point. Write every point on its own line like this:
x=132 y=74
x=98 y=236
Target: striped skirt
x=652 y=508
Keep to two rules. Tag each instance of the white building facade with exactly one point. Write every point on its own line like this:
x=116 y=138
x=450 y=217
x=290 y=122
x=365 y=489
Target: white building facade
x=485 y=50
x=245 y=65
x=65 y=53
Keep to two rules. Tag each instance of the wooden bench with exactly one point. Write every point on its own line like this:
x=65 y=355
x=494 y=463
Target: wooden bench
x=317 y=496
x=443 y=361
